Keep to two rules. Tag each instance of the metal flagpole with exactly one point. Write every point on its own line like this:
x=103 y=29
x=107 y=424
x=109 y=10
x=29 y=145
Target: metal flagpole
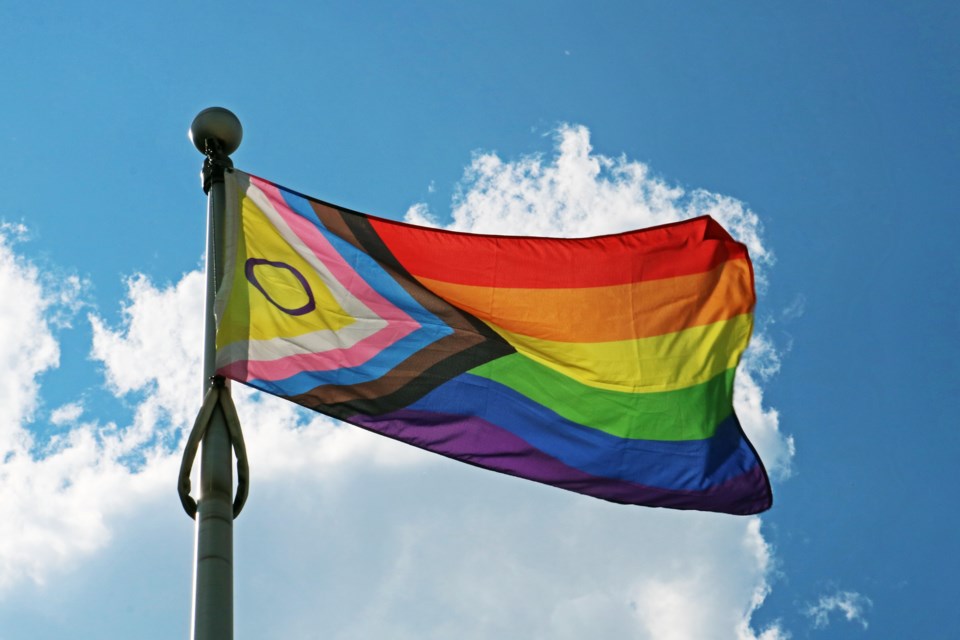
x=216 y=132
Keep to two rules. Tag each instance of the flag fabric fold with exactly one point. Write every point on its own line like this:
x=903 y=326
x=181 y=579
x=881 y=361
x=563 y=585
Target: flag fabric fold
x=600 y=365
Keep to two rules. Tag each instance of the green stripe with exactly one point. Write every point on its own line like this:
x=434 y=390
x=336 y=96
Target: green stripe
x=692 y=413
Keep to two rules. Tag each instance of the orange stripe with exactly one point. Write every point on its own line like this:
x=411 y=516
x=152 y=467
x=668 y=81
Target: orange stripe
x=616 y=312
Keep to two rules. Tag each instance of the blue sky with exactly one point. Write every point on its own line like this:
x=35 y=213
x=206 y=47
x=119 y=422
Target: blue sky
x=826 y=130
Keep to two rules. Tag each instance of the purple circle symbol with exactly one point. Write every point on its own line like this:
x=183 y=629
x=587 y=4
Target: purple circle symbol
x=248 y=270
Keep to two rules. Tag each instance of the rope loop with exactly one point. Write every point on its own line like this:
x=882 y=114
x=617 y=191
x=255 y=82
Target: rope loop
x=217 y=396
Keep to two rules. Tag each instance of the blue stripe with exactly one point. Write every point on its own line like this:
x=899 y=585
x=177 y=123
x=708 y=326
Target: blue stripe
x=379 y=365
x=693 y=465
x=363 y=264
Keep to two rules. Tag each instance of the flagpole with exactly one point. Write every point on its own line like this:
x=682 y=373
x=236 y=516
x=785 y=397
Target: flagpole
x=216 y=132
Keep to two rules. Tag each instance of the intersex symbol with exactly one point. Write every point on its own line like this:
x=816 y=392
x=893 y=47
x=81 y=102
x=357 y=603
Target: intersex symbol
x=249 y=271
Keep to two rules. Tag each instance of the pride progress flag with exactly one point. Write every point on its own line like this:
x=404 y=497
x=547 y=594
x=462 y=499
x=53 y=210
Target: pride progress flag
x=600 y=365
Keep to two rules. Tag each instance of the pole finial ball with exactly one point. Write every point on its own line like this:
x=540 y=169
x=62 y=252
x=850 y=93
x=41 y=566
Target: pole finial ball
x=216 y=123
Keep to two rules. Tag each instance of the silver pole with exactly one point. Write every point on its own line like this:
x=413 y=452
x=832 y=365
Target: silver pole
x=216 y=132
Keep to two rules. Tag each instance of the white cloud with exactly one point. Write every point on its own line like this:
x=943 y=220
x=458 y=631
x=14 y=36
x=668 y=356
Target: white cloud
x=343 y=526
x=762 y=424
x=420 y=553
x=796 y=308
x=14 y=231
x=67 y=292
x=56 y=491
x=159 y=348
x=28 y=347
x=852 y=605
x=67 y=413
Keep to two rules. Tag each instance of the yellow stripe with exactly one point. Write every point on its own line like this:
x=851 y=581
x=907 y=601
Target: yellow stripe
x=660 y=363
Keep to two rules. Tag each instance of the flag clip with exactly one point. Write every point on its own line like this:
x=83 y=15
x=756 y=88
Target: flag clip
x=215 y=163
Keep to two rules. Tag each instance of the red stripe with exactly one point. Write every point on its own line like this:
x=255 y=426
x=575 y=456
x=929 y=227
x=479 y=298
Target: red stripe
x=681 y=248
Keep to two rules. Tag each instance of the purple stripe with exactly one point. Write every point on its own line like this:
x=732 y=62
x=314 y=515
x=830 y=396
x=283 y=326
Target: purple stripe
x=478 y=442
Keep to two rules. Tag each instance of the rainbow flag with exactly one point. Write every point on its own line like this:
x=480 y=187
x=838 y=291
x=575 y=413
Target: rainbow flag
x=601 y=365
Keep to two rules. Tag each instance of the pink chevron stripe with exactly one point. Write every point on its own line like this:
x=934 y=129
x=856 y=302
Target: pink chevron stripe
x=311 y=237
x=287 y=366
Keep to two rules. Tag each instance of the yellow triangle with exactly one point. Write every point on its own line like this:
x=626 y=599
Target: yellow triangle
x=264 y=315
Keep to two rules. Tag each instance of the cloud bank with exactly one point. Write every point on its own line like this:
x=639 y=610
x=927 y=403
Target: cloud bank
x=360 y=536
x=56 y=490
